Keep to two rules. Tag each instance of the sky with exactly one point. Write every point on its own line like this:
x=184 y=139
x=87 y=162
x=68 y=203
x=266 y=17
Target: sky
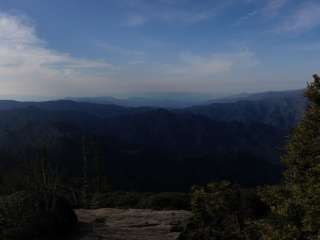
x=70 y=48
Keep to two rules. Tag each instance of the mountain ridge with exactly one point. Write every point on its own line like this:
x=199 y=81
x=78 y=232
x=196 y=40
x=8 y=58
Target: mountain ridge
x=182 y=101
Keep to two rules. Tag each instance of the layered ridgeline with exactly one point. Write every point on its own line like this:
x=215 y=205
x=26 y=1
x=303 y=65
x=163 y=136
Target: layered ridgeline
x=282 y=109
x=279 y=109
x=153 y=149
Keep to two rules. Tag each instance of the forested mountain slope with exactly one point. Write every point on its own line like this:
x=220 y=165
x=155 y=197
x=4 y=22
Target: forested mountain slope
x=172 y=150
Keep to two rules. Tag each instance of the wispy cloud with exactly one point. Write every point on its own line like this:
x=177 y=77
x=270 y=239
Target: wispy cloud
x=120 y=50
x=246 y=17
x=29 y=67
x=136 y=20
x=171 y=11
x=169 y=16
x=282 y=16
x=310 y=47
x=191 y=65
x=25 y=61
x=273 y=7
x=305 y=18
x=131 y=55
x=184 y=16
x=269 y=9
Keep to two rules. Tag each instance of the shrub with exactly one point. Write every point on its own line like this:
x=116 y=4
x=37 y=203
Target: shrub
x=117 y=199
x=27 y=215
x=295 y=204
x=167 y=201
x=157 y=201
x=224 y=211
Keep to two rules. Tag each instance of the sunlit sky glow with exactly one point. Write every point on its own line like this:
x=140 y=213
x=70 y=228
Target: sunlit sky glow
x=113 y=47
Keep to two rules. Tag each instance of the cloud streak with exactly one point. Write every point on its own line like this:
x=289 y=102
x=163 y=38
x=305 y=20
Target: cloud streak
x=28 y=66
x=171 y=11
x=304 y=19
x=132 y=56
x=136 y=20
x=273 y=7
x=208 y=66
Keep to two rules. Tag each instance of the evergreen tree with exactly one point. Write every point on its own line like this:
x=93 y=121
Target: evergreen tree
x=296 y=204
x=221 y=211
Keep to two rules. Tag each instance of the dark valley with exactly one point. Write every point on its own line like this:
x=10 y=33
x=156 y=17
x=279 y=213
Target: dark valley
x=239 y=141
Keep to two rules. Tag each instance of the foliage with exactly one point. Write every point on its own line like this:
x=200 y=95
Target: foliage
x=295 y=205
x=166 y=201
x=223 y=211
x=27 y=215
x=39 y=211
x=157 y=201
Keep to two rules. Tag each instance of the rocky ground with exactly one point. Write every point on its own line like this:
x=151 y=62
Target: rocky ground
x=131 y=224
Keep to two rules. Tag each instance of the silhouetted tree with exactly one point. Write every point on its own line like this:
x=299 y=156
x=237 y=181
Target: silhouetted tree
x=295 y=204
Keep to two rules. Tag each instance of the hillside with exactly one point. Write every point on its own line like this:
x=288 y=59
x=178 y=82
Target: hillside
x=279 y=109
x=239 y=140
x=139 y=143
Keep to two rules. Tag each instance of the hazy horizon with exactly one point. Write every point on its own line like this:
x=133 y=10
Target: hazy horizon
x=127 y=48
x=147 y=96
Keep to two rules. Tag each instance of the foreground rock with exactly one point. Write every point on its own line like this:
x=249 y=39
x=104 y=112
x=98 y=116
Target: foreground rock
x=132 y=224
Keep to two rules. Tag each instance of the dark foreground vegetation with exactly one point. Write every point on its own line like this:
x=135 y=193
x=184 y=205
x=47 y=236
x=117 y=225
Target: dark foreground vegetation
x=39 y=204
x=27 y=215
x=288 y=211
x=37 y=197
x=37 y=209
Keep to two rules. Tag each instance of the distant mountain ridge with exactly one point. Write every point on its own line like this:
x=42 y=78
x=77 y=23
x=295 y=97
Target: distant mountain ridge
x=187 y=100
x=151 y=148
x=279 y=109
x=270 y=95
x=106 y=110
x=163 y=100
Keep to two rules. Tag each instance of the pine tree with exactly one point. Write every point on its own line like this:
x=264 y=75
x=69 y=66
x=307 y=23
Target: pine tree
x=296 y=203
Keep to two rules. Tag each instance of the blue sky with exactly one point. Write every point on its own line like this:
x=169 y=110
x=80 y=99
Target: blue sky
x=115 y=47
